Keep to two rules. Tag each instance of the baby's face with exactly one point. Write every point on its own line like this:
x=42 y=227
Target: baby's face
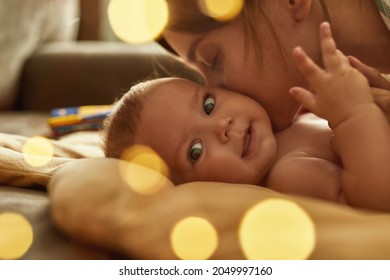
x=207 y=134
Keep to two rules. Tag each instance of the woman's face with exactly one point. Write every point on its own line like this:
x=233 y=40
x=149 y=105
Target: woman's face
x=225 y=60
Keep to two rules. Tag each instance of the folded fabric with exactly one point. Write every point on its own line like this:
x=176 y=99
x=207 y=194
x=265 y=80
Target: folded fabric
x=15 y=171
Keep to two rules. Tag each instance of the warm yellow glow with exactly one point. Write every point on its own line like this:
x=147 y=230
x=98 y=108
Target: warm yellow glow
x=16 y=235
x=143 y=180
x=38 y=151
x=277 y=229
x=135 y=21
x=194 y=238
x=222 y=10
x=147 y=157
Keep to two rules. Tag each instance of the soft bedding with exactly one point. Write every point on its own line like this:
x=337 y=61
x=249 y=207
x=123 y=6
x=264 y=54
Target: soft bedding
x=14 y=170
x=92 y=204
x=106 y=212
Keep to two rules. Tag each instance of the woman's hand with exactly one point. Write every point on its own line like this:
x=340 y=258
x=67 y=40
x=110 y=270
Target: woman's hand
x=380 y=86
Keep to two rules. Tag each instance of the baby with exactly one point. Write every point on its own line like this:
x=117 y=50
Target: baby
x=213 y=134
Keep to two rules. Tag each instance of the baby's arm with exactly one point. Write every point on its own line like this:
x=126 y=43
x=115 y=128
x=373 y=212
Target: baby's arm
x=341 y=94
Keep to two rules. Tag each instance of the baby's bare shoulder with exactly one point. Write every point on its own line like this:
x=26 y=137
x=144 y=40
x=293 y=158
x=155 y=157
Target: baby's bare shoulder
x=302 y=174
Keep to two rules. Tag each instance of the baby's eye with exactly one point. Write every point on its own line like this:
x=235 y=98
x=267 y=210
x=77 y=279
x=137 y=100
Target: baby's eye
x=195 y=151
x=208 y=105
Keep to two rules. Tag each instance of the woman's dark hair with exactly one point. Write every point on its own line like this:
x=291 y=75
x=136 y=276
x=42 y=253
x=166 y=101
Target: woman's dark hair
x=186 y=16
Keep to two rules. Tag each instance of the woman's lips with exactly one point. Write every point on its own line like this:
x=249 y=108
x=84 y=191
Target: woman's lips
x=249 y=142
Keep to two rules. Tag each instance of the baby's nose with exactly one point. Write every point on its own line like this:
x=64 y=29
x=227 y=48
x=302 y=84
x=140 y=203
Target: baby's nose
x=223 y=125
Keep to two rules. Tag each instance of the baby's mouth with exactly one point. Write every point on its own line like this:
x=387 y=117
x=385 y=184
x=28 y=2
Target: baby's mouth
x=246 y=141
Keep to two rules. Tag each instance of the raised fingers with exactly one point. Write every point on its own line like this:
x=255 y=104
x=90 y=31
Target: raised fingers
x=312 y=72
x=333 y=58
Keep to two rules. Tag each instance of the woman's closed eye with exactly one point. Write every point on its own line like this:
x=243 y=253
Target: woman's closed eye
x=210 y=58
x=213 y=62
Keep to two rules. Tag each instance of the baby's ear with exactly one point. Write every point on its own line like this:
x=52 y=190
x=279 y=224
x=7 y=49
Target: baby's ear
x=300 y=9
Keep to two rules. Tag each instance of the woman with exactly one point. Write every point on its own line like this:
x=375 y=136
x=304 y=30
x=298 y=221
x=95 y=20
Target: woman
x=252 y=53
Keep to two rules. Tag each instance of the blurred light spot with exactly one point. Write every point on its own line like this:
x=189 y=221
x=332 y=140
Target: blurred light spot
x=16 y=235
x=194 y=238
x=38 y=151
x=143 y=180
x=135 y=21
x=145 y=156
x=221 y=10
x=277 y=229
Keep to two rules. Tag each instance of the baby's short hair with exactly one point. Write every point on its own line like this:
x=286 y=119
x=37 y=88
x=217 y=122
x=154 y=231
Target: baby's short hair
x=120 y=127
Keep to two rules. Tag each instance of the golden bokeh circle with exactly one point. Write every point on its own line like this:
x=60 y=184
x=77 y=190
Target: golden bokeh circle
x=277 y=229
x=194 y=238
x=143 y=170
x=142 y=180
x=137 y=22
x=16 y=235
x=146 y=156
x=37 y=151
x=221 y=10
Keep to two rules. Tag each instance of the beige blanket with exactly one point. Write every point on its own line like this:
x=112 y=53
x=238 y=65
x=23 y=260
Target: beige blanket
x=15 y=171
